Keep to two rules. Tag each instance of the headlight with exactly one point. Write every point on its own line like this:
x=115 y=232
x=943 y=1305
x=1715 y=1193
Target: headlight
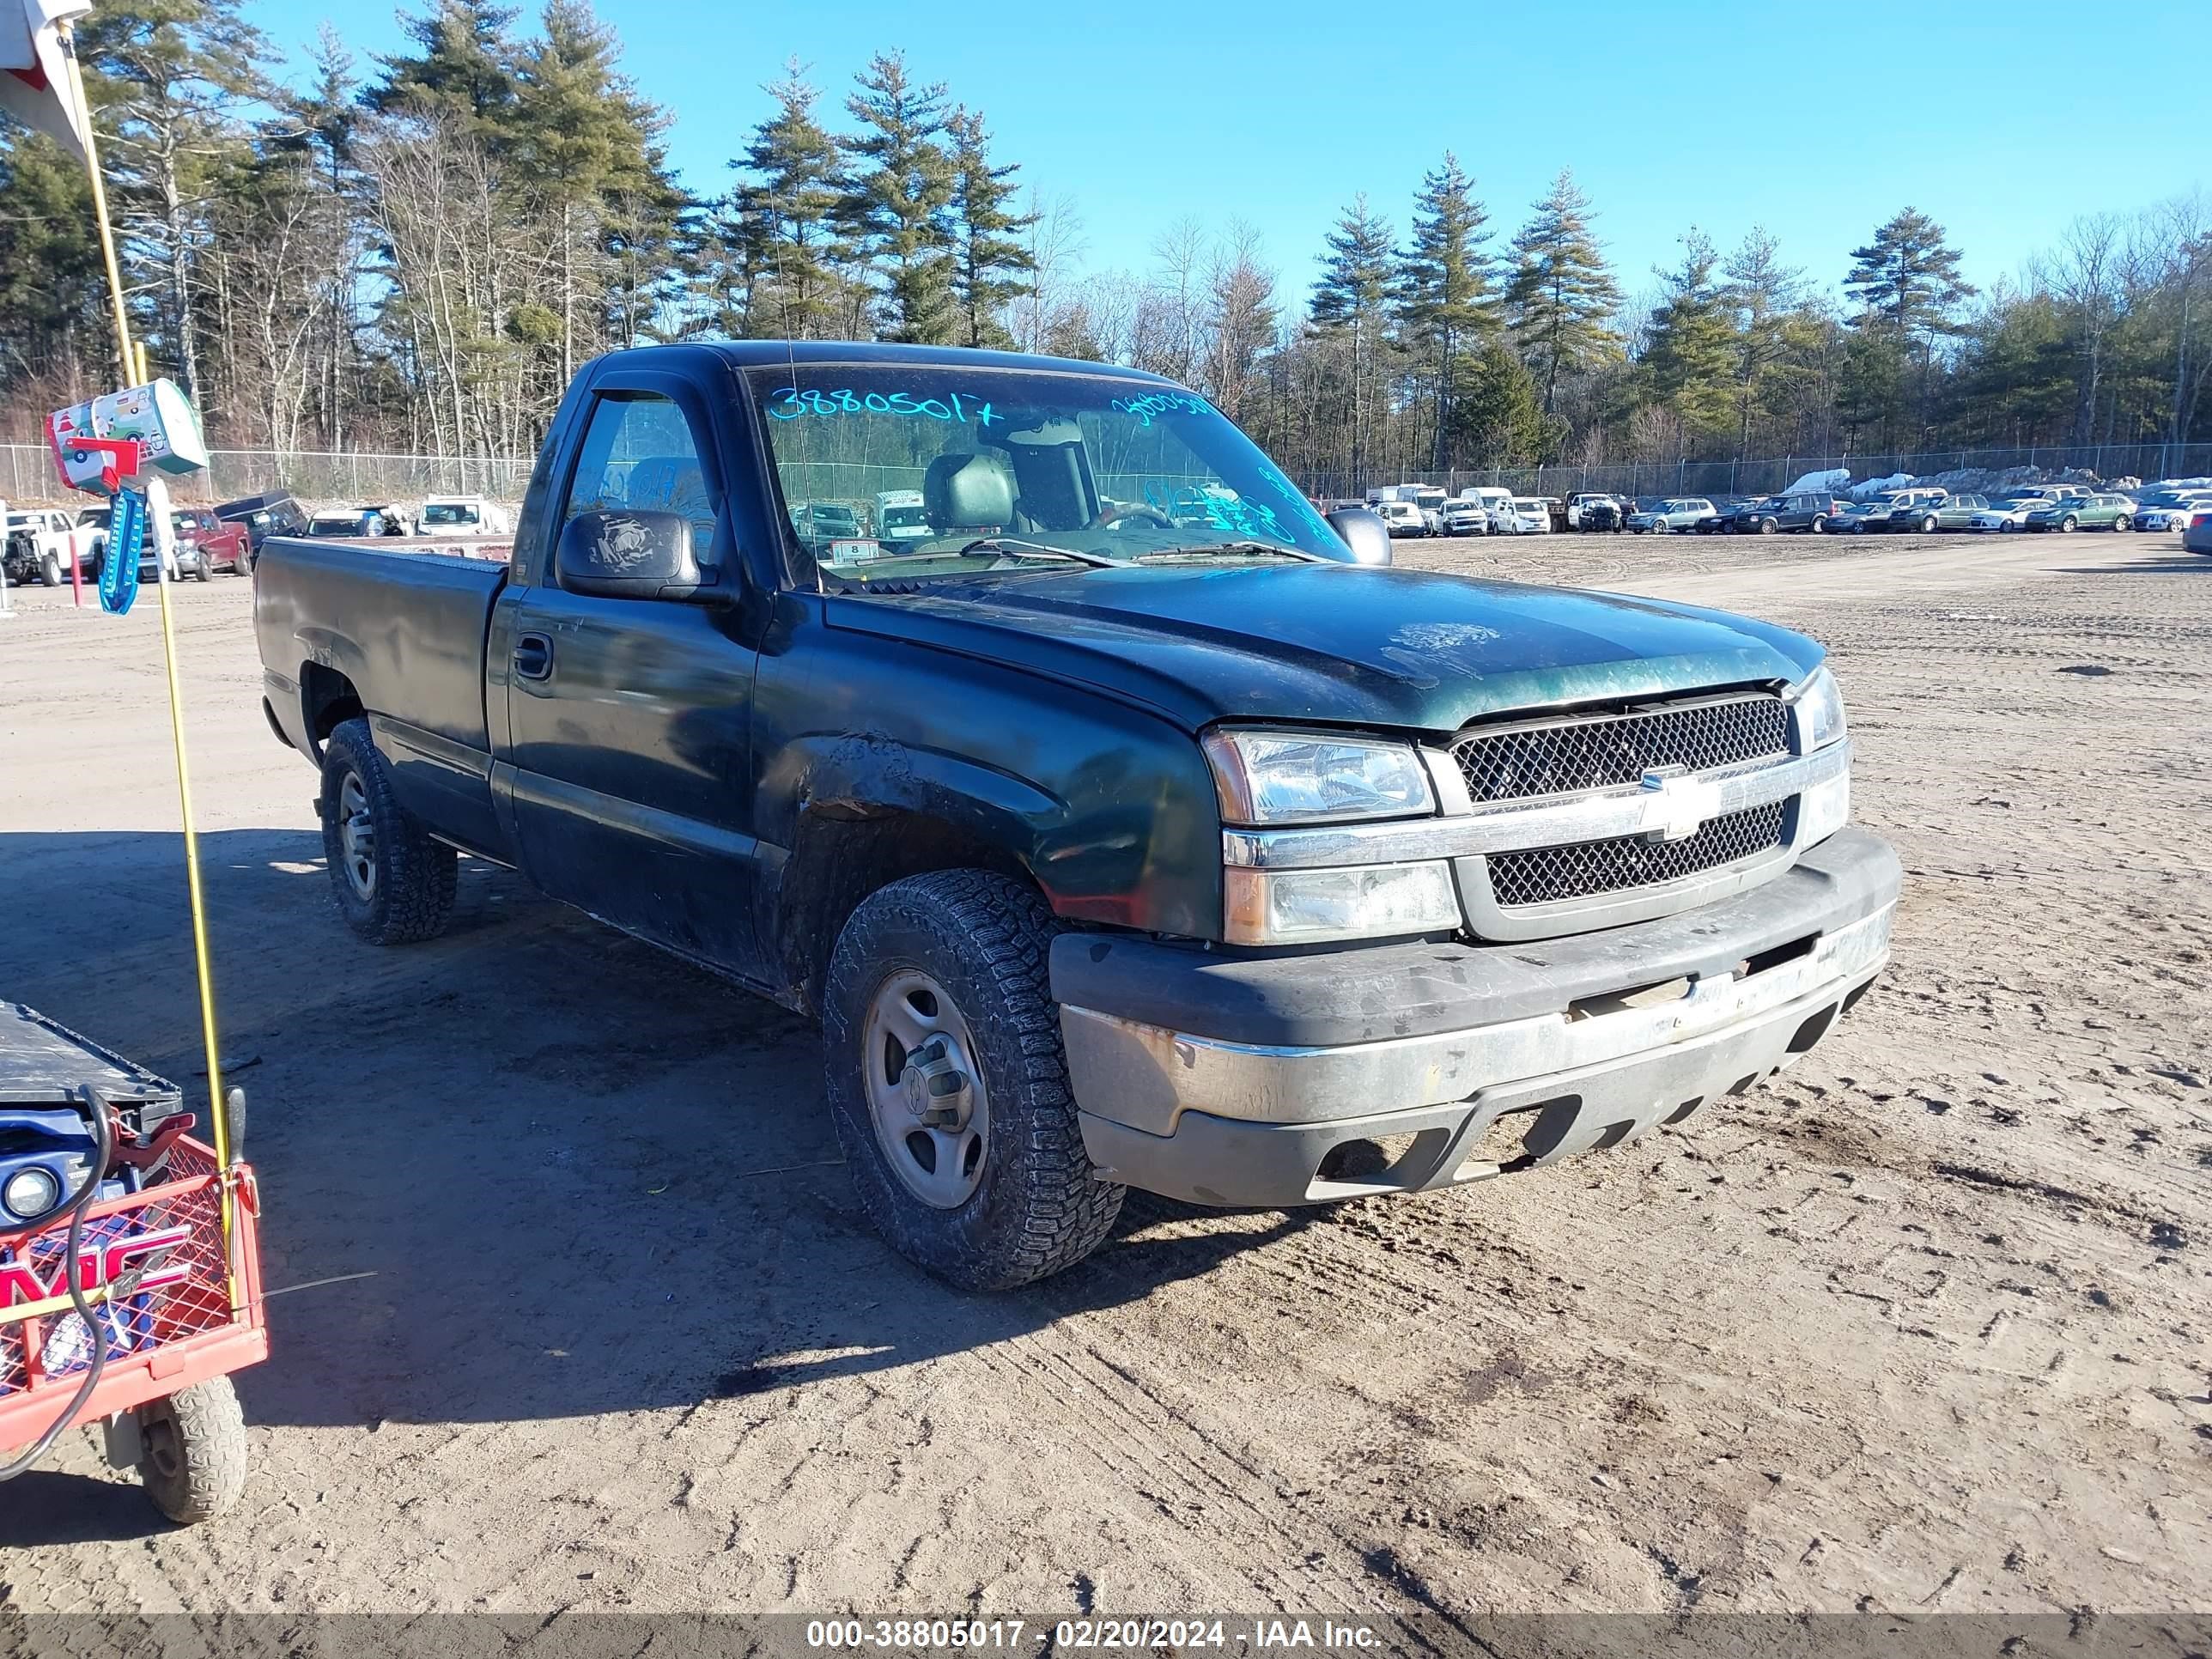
x=30 y=1194
x=1818 y=710
x=1299 y=907
x=1265 y=777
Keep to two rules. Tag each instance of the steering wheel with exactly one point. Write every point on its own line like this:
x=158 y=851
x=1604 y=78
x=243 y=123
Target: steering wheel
x=1115 y=518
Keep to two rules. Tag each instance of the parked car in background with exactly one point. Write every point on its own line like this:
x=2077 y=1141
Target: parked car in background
x=1812 y=513
x=1673 y=512
x=2160 y=508
x=1900 y=509
x=902 y=515
x=1602 y=513
x=1401 y=518
x=1534 y=513
x=351 y=521
x=1464 y=517
x=2103 y=511
x=273 y=513
x=1926 y=514
x=821 y=524
x=42 y=543
x=213 y=544
x=2197 y=538
x=1498 y=503
x=2004 y=513
x=1578 y=503
x=465 y=515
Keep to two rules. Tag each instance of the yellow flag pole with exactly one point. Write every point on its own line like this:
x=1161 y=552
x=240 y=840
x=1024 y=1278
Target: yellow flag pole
x=134 y=373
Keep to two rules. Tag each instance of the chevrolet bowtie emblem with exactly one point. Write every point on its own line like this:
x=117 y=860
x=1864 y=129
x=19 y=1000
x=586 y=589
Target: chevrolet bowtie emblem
x=1677 y=805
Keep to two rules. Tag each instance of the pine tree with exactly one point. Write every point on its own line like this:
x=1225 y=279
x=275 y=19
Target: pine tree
x=787 y=211
x=1692 y=352
x=1444 y=299
x=1907 y=283
x=1562 y=292
x=173 y=76
x=462 y=68
x=583 y=141
x=1762 y=292
x=1908 y=276
x=54 y=297
x=989 y=257
x=1496 y=421
x=898 y=203
x=1351 y=305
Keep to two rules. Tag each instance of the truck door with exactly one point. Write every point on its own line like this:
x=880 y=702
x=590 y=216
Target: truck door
x=627 y=765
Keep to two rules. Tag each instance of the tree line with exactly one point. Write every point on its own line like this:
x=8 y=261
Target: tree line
x=415 y=254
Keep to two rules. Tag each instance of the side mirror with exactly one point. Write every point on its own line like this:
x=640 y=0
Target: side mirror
x=632 y=555
x=1366 y=538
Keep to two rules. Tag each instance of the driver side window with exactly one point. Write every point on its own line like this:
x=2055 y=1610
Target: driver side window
x=640 y=453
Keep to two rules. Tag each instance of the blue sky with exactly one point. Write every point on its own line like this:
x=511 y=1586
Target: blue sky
x=2002 y=118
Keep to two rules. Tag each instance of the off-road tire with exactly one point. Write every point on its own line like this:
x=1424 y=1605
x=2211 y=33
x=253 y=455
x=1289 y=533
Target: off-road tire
x=193 y=1456
x=1038 y=1207
x=50 y=571
x=415 y=876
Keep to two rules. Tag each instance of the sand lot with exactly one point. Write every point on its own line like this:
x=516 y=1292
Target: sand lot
x=578 y=1311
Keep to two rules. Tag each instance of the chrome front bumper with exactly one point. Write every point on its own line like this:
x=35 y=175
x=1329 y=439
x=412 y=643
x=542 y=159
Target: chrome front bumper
x=1633 y=1029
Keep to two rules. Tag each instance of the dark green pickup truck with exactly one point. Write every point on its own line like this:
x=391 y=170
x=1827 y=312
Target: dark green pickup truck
x=1123 y=830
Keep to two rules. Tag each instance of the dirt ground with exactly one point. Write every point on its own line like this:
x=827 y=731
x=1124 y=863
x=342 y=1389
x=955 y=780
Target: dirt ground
x=574 y=1309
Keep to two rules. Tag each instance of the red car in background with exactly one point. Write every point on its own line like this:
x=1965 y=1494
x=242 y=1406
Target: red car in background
x=206 y=544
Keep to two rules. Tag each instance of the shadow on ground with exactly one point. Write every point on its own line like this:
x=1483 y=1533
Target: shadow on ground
x=533 y=1170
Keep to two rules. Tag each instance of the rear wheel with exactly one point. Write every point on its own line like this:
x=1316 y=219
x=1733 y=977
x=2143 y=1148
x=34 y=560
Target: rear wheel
x=192 y=1451
x=1818 y=527
x=949 y=1086
x=393 y=883
x=2123 y=522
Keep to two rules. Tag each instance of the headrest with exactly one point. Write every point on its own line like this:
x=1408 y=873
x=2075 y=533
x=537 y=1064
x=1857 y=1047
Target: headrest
x=970 y=492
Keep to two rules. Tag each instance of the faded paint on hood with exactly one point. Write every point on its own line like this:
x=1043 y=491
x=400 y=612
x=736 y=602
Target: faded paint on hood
x=1333 y=644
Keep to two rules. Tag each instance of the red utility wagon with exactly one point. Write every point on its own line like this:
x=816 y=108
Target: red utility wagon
x=168 y=1263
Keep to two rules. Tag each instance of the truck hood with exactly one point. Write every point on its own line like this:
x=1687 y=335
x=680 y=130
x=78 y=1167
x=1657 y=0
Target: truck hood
x=1329 y=643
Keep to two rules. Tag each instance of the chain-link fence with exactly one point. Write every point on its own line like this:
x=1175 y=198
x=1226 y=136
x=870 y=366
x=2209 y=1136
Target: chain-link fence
x=316 y=476
x=2100 y=461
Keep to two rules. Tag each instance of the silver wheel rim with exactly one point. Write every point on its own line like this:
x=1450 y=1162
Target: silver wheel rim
x=356 y=837
x=926 y=1095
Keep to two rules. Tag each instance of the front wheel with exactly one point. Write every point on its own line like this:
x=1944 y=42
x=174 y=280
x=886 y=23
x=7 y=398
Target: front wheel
x=192 y=1451
x=949 y=1085
x=393 y=883
x=1767 y=526
x=1930 y=525
x=2069 y=524
x=50 y=571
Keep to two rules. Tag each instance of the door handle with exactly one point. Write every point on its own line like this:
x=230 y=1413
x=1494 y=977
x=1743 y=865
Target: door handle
x=533 y=657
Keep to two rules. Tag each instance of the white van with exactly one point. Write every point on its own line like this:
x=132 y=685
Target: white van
x=1504 y=517
x=901 y=516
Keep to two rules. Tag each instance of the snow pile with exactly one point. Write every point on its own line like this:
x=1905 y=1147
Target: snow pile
x=1868 y=489
x=1819 y=483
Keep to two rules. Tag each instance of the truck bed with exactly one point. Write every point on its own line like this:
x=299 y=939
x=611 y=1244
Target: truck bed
x=404 y=622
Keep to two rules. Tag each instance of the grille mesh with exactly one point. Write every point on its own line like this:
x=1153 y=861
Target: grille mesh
x=1599 y=753
x=1543 y=875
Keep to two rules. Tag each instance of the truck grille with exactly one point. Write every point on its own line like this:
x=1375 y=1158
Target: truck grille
x=1601 y=753
x=1543 y=875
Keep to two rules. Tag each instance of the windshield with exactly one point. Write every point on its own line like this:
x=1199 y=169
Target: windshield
x=335 y=524
x=1040 y=463
x=448 y=512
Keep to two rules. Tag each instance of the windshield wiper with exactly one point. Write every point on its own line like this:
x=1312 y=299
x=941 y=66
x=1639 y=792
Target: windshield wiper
x=1015 y=547
x=1298 y=553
